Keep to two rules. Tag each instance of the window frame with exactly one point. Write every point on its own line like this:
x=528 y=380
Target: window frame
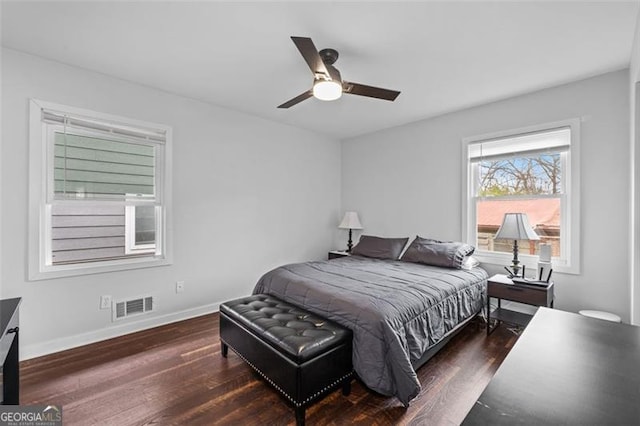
x=40 y=197
x=570 y=260
x=130 y=245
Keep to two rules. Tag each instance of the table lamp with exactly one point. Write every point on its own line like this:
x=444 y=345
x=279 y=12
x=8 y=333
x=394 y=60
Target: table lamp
x=515 y=226
x=350 y=222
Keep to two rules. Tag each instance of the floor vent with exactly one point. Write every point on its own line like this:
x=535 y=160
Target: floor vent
x=138 y=306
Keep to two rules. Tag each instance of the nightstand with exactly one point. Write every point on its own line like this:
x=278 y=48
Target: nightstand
x=334 y=254
x=501 y=287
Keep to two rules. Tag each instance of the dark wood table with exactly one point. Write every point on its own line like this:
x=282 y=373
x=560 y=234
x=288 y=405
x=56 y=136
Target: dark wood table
x=501 y=287
x=9 y=356
x=565 y=369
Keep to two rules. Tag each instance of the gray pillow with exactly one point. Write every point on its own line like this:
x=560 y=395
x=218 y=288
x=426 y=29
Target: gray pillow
x=448 y=254
x=380 y=248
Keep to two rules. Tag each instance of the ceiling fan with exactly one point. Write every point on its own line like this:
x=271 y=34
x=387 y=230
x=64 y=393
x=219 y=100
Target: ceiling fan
x=327 y=83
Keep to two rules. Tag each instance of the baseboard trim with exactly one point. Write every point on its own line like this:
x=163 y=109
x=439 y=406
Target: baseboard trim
x=62 y=344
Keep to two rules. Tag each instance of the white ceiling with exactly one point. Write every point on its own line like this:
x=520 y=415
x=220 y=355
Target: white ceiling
x=442 y=56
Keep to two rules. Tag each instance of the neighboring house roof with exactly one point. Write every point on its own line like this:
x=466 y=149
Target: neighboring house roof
x=542 y=212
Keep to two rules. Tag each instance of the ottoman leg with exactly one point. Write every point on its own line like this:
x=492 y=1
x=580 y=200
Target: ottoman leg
x=224 y=348
x=346 y=386
x=300 y=416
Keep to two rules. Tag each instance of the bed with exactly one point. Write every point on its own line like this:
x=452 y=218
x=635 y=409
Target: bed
x=399 y=311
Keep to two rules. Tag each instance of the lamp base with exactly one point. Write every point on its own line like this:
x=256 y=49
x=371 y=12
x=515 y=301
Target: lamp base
x=349 y=243
x=515 y=263
x=516 y=270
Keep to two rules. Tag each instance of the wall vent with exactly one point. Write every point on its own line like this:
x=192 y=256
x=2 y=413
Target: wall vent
x=126 y=308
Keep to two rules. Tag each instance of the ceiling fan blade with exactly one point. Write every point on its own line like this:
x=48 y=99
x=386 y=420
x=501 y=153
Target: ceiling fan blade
x=370 y=91
x=334 y=73
x=297 y=99
x=310 y=54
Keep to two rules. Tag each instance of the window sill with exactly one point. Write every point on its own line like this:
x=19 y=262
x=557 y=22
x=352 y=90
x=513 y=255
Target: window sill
x=61 y=271
x=529 y=261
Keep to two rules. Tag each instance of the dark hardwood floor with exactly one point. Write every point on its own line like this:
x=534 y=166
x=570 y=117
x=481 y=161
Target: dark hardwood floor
x=175 y=375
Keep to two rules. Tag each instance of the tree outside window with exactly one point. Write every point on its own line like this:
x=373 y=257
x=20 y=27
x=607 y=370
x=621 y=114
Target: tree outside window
x=520 y=184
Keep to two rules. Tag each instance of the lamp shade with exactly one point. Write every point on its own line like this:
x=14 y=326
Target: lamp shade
x=515 y=226
x=350 y=221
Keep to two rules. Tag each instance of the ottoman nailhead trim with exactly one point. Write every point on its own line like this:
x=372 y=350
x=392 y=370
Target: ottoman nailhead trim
x=293 y=401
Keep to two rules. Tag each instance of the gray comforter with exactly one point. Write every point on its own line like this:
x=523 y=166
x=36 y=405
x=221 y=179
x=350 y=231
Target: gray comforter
x=397 y=310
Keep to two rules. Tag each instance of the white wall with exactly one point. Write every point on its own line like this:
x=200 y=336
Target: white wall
x=407 y=180
x=249 y=194
x=0 y=158
x=634 y=121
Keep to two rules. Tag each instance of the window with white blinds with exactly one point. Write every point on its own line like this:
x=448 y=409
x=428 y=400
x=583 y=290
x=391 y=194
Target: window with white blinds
x=534 y=171
x=104 y=185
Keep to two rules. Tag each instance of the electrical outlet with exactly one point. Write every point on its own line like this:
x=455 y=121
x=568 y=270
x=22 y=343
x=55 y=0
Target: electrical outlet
x=105 y=302
x=179 y=286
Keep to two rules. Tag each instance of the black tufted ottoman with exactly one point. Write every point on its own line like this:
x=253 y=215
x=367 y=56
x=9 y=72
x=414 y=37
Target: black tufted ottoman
x=301 y=354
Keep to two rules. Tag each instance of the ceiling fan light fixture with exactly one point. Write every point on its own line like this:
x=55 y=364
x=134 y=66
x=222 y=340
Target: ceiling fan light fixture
x=327 y=90
x=327 y=81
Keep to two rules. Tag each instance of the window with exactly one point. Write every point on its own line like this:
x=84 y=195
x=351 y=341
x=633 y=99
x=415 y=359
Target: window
x=533 y=171
x=140 y=228
x=99 y=192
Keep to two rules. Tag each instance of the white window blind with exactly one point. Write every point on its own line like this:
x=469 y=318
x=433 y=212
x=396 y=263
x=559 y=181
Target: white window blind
x=108 y=127
x=522 y=145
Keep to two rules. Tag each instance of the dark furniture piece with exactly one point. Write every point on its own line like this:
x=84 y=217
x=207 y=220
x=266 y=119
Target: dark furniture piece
x=565 y=369
x=501 y=287
x=301 y=354
x=10 y=326
x=336 y=254
x=396 y=310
